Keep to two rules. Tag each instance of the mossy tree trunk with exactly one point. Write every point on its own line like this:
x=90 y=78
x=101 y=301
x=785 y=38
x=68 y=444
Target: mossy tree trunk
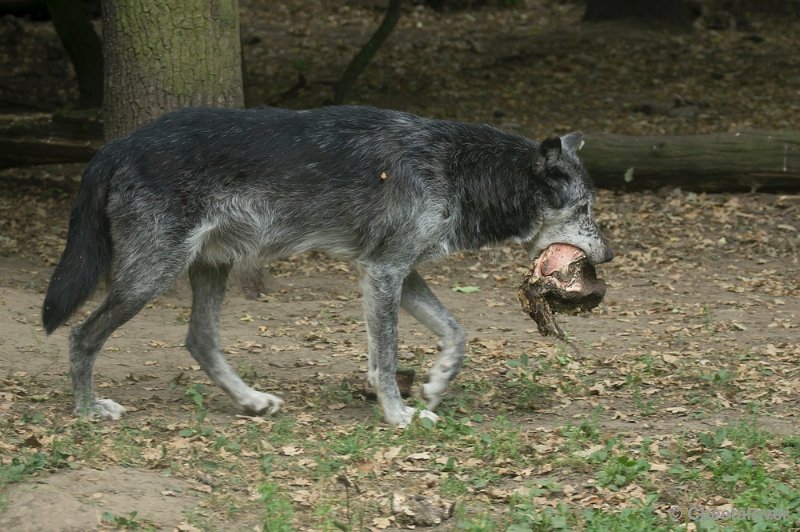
x=161 y=56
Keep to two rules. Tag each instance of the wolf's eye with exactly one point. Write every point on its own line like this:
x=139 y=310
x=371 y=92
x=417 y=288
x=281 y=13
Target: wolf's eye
x=583 y=209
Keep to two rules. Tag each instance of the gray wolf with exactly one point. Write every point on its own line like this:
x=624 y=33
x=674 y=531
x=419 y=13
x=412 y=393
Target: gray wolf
x=198 y=190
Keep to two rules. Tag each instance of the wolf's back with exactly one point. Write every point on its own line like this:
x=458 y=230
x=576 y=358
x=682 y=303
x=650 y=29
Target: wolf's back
x=87 y=255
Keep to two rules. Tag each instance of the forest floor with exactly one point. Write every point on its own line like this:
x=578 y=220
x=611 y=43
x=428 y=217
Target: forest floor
x=683 y=393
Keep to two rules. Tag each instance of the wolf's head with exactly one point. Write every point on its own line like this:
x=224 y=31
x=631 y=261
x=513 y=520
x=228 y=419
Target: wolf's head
x=567 y=199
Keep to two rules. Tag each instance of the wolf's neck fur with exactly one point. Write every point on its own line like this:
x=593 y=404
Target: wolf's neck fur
x=495 y=183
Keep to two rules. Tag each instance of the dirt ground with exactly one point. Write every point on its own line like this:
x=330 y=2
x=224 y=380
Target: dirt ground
x=700 y=329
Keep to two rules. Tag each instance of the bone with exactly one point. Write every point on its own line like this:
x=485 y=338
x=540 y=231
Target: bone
x=560 y=280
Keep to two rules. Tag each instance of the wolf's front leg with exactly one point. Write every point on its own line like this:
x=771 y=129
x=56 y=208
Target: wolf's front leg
x=382 y=286
x=419 y=301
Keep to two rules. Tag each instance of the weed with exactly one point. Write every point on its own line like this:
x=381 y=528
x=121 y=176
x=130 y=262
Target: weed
x=127 y=522
x=730 y=468
x=640 y=518
x=581 y=436
x=282 y=431
x=721 y=378
x=748 y=435
x=525 y=383
x=346 y=448
x=277 y=514
x=340 y=393
x=197 y=392
x=791 y=446
x=621 y=471
x=773 y=495
x=527 y=516
x=646 y=407
x=480 y=523
x=503 y=441
x=22 y=466
x=481 y=477
x=707 y=318
x=453 y=486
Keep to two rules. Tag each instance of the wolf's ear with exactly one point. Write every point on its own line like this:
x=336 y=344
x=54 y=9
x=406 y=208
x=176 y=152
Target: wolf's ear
x=549 y=152
x=572 y=142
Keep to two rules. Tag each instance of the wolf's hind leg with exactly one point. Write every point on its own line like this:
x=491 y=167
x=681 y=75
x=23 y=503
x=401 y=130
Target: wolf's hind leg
x=208 y=290
x=422 y=304
x=130 y=291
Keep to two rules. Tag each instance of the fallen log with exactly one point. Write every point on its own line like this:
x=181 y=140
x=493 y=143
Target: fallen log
x=721 y=162
x=42 y=138
x=729 y=162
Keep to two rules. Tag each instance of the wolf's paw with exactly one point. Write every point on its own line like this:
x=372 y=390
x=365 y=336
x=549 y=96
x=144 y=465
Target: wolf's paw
x=435 y=385
x=403 y=418
x=432 y=393
x=101 y=409
x=258 y=403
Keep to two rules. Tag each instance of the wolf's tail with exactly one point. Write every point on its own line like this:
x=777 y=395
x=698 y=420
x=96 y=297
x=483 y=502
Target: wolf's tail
x=87 y=255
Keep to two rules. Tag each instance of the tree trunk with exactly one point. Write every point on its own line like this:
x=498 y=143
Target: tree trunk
x=73 y=24
x=370 y=48
x=161 y=56
x=755 y=160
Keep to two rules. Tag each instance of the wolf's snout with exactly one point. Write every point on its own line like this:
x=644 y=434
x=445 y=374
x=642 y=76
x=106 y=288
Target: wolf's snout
x=599 y=255
x=607 y=256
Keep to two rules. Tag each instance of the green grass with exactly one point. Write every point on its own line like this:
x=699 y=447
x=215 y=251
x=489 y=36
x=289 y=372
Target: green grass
x=524 y=383
x=277 y=513
x=474 y=454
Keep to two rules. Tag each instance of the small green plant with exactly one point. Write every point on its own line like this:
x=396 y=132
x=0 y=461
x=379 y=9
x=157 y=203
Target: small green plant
x=773 y=495
x=224 y=442
x=482 y=477
x=527 y=516
x=713 y=440
x=300 y=64
x=21 y=466
x=454 y=487
x=337 y=393
x=282 y=431
x=748 y=435
x=472 y=394
x=126 y=522
x=277 y=514
x=622 y=470
x=579 y=437
x=503 y=441
x=721 y=378
x=479 y=523
x=732 y=469
x=646 y=407
x=791 y=445
x=707 y=317
x=346 y=448
x=640 y=518
x=197 y=392
x=525 y=383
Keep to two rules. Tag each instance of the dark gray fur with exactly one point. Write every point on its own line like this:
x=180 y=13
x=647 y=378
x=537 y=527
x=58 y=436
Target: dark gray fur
x=201 y=189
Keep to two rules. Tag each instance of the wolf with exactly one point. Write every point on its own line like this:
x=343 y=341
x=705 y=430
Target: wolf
x=199 y=190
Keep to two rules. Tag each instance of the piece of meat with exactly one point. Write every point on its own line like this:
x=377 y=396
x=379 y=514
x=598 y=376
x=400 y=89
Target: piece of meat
x=560 y=280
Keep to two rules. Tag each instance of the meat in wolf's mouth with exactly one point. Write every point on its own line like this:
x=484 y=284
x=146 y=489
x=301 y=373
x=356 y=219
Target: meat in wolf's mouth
x=560 y=280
